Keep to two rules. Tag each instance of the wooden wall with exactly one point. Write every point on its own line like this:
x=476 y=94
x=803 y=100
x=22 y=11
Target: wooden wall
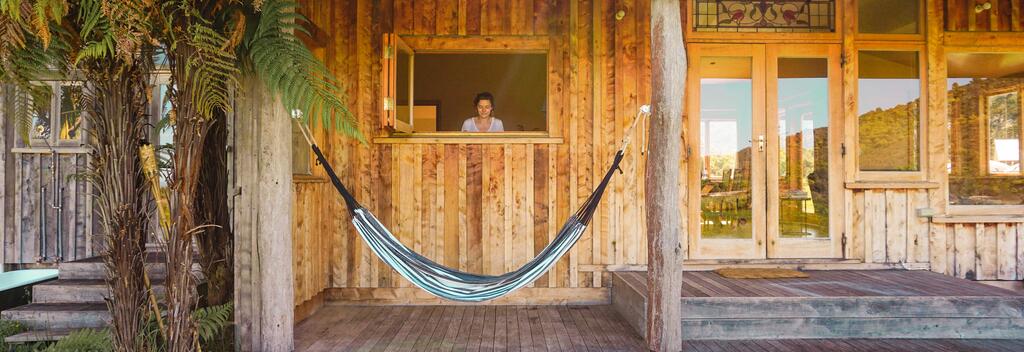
x=31 y=212
x=1002 y=16
x=482 y=207
x=885 y=228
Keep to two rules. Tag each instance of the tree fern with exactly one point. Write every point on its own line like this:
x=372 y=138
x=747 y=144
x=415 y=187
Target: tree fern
x=211 y=70
x=211 y=321
x=289 y=68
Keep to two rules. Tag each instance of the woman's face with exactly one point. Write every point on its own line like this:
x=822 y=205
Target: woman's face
x=483 y=108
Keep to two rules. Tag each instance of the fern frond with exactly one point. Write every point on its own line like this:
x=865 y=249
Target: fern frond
x=289 y=68
x=83 y=340
x=210 y=321
x=40 y=22
x=211 y=71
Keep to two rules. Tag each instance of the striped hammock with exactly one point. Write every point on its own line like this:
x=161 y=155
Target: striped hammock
x=452 y=284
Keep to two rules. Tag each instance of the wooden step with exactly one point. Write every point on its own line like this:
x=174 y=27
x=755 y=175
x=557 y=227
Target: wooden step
x=888 y=304
x=42 y=316
x=78 y=291
x=39 y=336
x=825 y=328
x=95 y=270
x=853 y=307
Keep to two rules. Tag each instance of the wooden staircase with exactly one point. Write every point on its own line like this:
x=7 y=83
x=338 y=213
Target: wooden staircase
x=76 y=300
x=882 y=304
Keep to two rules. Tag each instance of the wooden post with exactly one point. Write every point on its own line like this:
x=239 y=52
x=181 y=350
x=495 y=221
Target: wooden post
x=6 y=204
x=664 y=226
x=261 y=180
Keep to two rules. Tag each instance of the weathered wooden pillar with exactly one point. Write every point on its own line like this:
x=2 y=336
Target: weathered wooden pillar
x=664 y=226
x=6 y=174
x=261 y=180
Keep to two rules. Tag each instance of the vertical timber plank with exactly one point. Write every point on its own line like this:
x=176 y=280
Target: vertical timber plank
x=451 y=212
x=937 y=247
x=540 y=205
x=986 y=252
x=474 y=207
x=857 y=231
x=917 y=228
x=1007 y=252
x=964 y=249
x=896 y=226
x=874 y=220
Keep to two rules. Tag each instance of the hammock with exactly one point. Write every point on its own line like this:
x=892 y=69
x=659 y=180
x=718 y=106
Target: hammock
x=451 y=284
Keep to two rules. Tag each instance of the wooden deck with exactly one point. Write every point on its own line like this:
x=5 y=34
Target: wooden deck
x=466 y=328
x=546 y=328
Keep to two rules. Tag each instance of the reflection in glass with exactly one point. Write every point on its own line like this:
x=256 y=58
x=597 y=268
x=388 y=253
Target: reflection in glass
x=803 y=147
x=70 y=111
x=726 y=110
x=40 y=113
x=888 y=98
x=984 y=113
x=1004 y=133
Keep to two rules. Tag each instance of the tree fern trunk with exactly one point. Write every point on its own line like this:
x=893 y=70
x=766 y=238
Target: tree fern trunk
x=116 y=104
x=215 y=243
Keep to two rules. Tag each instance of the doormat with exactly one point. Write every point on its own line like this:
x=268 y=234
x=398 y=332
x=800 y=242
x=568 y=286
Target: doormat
x=760 y=273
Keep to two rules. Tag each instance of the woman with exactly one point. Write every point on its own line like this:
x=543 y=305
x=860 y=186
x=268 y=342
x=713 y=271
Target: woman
x=483 y=121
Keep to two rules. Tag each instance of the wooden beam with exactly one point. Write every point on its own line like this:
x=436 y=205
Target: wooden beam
x=489 y=43
x=664 y=223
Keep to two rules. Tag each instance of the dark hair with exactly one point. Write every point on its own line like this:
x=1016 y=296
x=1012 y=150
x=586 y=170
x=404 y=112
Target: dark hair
x=483 y=96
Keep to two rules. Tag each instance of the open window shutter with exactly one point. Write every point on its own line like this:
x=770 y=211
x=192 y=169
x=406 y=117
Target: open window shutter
x=388 y=82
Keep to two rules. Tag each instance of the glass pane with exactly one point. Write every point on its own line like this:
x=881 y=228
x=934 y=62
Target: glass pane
x=726 y=112
x=40 y=113
x=70 y=112
x=888 y=97
x=984 y=114
x=1004 y=133
x=900 y=16
x=803 y=147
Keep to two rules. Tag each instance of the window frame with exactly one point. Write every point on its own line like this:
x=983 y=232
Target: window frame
x=425 y=44
x=973 y=210
x=921 y=174
x=53 y=140
x=986 y=128
x=919 y=36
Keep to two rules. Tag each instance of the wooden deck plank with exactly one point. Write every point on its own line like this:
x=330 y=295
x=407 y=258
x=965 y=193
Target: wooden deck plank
x=512 y=326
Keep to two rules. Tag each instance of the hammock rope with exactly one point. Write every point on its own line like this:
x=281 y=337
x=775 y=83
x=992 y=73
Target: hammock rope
x=452 y=284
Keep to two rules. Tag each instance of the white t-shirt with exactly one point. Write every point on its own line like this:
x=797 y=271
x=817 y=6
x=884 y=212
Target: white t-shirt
x=470 y=126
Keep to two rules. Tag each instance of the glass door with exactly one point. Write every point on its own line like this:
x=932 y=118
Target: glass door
x=726 y=129
x=764 y=164
x=804 y=161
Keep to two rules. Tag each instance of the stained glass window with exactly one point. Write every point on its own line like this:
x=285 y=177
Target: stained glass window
x=764 y=15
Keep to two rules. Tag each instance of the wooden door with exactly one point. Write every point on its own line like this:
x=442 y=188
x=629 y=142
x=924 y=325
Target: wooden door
x=766 y=166
x=805 y=203
x=726 y=122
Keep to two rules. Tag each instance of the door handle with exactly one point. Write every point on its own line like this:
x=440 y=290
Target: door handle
x=760 y=143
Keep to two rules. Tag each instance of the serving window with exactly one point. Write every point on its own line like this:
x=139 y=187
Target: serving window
x=440 y=93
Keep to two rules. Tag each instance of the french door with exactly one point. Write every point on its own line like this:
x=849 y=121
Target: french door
x=764 y=130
